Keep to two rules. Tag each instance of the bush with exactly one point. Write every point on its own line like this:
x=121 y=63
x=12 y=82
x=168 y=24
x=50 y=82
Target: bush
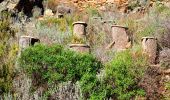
x=8 y=52
x=59 y=24
x=165 y=58
x=123 y=75
x=152 y=83
x=54 y=65
x=164 y=37
x=120 y=78
x=92 y=11
x=60 y=30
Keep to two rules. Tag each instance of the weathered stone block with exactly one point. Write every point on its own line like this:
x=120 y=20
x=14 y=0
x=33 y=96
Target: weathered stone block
x=121 y=38
x=83 y=48
x=26 y=41
x=149 y=45
x=79 y=29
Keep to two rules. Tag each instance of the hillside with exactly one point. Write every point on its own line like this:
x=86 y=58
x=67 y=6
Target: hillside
x=85 y=50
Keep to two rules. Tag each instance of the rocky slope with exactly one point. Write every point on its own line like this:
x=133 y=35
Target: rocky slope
x=100 y=15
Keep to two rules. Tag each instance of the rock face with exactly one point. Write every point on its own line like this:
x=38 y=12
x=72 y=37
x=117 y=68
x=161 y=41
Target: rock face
x=28 y=5
x=97 y=3
x=83 y=4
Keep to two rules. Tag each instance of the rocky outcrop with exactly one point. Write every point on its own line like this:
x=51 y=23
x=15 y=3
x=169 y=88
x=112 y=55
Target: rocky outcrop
x=83 y=4
x=27 y=6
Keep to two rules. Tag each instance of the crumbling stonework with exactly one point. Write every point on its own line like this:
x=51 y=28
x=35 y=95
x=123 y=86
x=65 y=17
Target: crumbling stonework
x=149 y=45
x=79 y=29
x=26 y=41
x=121 y=38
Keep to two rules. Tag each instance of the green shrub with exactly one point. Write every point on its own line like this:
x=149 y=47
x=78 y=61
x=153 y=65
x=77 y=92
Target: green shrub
x=92 y=88
x=167 y=86
x=162 y=10
x=120 y=80
x=123 y=74
x=54 y=64
x=8 y=52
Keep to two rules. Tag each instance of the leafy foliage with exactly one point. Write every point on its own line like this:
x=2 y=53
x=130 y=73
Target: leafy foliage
x=8 y=51
x=122 y=76
x=54 y=64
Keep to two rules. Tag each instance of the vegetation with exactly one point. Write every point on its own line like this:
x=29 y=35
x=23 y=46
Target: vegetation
x=120 y=80
x=114 y=75
x=123 y=75
x=54 y=64
x=78 y=40
x=8 y=51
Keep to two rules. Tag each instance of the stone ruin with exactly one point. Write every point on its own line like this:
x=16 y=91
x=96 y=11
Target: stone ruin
x=149 y=45
x=80 y=47
x=121 y=38
x=79 y=31
x=26 y=41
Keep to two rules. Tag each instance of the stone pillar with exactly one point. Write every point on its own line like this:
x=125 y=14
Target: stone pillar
x=149 y=46
x=26 y=41
x=82 y=48
x=121 y=38
x=79 y=29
